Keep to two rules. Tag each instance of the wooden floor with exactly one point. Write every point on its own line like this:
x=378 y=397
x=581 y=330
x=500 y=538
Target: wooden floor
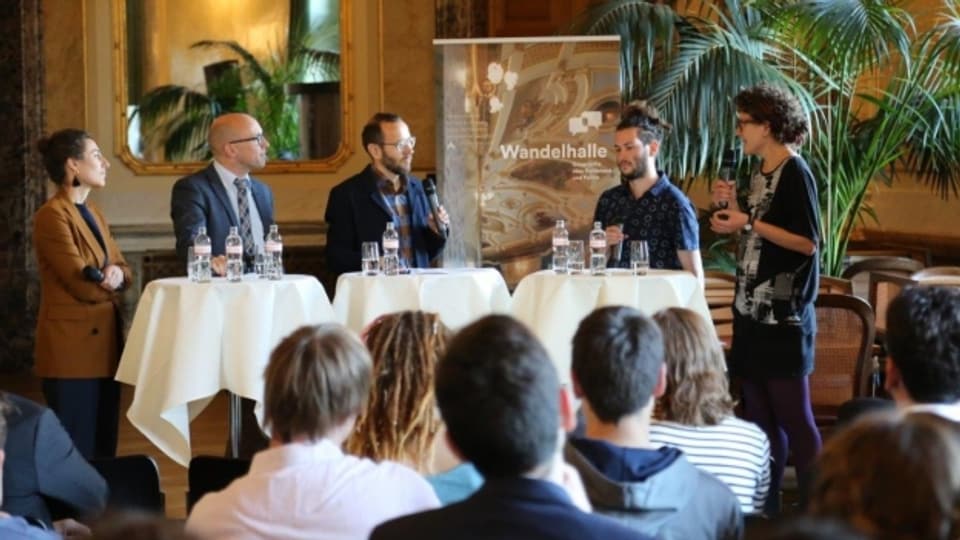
x=208 y=435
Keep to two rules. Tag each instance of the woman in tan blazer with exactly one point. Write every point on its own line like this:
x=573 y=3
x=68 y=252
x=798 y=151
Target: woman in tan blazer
x=82 y=272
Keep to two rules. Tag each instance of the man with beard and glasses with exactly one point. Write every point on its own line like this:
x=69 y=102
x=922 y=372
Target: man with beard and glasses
x=360 y=207
x=646 y=206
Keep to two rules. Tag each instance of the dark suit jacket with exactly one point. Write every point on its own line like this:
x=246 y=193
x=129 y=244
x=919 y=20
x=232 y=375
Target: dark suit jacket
x=201 y=199
x=357 y=213
x=78 y=331
x=42 y=463
x=507 y=508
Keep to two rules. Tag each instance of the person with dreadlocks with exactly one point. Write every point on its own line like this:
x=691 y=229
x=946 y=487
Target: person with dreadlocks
x=400 y=421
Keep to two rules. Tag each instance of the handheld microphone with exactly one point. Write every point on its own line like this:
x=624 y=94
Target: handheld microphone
x=92 y=273
x=431 y=190
x=728 y=168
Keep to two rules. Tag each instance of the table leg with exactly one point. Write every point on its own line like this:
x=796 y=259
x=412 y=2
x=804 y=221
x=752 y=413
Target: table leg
x=235 y=425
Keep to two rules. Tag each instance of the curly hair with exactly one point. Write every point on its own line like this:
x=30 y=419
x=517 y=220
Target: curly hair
x=646 y=118
x=400 y=421
x=776 y=107
x=697 y=393
x=892 y=476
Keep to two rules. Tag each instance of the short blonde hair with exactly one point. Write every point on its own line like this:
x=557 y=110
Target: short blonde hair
x=892 y=475
x=697 y=392
x=318 y=377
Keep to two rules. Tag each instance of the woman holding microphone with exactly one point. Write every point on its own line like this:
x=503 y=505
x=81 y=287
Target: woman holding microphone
x=777 y=277
x=82 y=272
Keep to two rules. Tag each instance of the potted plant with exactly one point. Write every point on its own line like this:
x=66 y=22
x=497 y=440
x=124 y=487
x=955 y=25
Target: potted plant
x=884 y=99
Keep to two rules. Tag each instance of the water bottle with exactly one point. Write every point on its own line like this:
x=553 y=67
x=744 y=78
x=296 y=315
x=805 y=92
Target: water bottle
x=274 y=248
x=561 y=242
x=391 y=250
x=234 y=249
x=598 y=250
x=202 y=253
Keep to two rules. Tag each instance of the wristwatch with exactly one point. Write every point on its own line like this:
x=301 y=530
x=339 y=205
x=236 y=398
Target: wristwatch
x=748 y=226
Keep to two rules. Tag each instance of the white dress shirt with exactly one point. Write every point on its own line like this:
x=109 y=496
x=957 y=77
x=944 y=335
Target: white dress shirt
x=256 y=224
x=310 y=491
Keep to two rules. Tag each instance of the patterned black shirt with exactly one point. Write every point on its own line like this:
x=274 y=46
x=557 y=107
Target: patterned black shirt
x=663 y=216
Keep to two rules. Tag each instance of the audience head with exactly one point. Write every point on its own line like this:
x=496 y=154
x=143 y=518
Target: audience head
x=237 y=142
x=387 y=139
x=499 y=396
x=71 y=155
x=775 y=107
x=892 y=476
x=617 y=362
x=315 y=384
x=923 y=340
x=400 y=420
x=696 y=392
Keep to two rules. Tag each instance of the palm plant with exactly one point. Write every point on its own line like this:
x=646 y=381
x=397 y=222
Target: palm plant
x=883 y=98
x=177 y=117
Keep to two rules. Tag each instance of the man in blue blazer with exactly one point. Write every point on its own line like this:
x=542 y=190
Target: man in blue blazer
x=210 y=197
x=505 y=411
x=42 y=465
x=360 y=207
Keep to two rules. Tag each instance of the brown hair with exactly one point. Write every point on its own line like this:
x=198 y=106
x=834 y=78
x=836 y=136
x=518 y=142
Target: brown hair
x=318 y=377
x=646 y=118
x=400 y=421
x=58 y=148
x=697 y=393
x=776 y=107
x=892 y=476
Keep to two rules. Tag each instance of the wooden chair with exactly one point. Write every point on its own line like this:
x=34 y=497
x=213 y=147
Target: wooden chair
x=719 y=290
x=858 y=272
x=843 y=367
x=835 y=285
x=938 y=275
x=883 y=288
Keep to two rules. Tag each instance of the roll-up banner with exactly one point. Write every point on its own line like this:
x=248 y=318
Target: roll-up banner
x=525 y=134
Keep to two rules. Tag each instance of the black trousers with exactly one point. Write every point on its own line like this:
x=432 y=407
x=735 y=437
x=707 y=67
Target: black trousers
x=89 y=410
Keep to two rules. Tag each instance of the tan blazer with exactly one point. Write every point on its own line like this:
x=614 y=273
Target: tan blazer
x=78 y=333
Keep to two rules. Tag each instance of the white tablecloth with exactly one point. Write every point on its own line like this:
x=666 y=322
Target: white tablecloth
x=553 y=305
x=460 y=296
x=190 y=340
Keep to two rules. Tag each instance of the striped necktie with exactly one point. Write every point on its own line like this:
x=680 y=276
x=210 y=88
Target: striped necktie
x=243 y=206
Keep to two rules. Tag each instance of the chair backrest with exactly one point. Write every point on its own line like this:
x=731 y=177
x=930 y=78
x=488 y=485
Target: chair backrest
x=896 y=265
x=883 y=288
x=938 y=275
x=212 y=473
x=719 y=290
x=134 y=482
x=842 y=352
x=835 y=285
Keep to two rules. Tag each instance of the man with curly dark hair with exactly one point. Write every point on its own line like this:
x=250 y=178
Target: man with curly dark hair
x=646 y=205
x=777 y=277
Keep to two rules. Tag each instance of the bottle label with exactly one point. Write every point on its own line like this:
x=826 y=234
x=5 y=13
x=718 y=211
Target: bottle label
x=201 y=250
x=598 y=243
x=232 y=250
x=273 y=247
x=391 y=244
x=561 y=242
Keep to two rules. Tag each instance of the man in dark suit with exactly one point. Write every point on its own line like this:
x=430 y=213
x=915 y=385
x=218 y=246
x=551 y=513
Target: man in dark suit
x=360 y=207
x=43 y=465
x=221 y=196
x=505 y=411
x=224 y=194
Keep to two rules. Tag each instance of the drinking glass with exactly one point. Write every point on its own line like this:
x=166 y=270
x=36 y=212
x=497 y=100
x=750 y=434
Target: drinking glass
x=370 y=258
x=575 y=256
x=639 y=257
x=191 y=265
x=260 y=265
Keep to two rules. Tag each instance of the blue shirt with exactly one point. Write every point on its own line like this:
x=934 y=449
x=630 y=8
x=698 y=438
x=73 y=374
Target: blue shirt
x=663 y=216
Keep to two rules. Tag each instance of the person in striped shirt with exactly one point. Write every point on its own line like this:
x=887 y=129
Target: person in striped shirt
x=695 y=414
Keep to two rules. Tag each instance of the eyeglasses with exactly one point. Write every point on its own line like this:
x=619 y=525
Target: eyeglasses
x=741 y=122
x=402 y=144
x=258 y=137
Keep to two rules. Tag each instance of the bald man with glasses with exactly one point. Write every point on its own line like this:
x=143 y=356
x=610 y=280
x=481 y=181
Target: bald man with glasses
x=360 y=207
x=224 y=195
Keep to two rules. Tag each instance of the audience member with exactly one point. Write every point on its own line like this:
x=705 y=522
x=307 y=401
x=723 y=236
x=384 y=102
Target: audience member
x=360 y=207
x=922 y=369
x=892 y=475
x=303 y=486
x=400 y=421
x=42 y=465
x=646 y=205
x=695 y=412
x=505 y=411
x=618 y=370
